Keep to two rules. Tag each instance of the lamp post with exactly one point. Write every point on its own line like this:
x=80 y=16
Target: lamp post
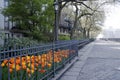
x=56 y=8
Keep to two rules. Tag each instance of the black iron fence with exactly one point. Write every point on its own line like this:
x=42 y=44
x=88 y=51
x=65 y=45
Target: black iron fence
x=37 y=62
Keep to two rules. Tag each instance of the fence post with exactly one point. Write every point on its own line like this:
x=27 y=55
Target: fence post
x=0 y=71
x=53 y=67
x=70 y=48
x=77 y=47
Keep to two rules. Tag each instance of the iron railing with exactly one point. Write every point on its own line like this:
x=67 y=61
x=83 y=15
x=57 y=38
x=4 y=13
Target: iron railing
x=37 y=62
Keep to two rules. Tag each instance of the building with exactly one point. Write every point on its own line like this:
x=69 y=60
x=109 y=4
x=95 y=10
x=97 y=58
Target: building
x=65 y=25
x=6 y=25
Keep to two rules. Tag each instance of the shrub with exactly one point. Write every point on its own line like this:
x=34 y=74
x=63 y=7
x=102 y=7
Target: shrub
x=64 y=37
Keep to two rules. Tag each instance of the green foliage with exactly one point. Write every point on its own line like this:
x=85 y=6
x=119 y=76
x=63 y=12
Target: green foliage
x=34 y=16
x=20 y=42
x=64 y=37
x=44 y=37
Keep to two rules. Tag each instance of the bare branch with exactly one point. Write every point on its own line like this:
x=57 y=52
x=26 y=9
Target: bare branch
x=84 y=14
x=64 y=5
x=86 y=5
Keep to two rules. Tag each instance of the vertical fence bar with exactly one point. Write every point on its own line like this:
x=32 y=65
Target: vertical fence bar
x=15 y=54
x=70 y=47
x=30 y=51
x=26 y=51
x=0 y=68
x=21 y=62
x=77 y=48
x=0 y=65
x=47 y=65
x=8 y=65
x=53 y=66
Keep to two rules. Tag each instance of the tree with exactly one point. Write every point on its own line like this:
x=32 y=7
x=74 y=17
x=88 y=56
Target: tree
x=90 y=14
x=34 y=16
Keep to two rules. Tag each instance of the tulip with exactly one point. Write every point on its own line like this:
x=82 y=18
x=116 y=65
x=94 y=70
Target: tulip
x=3 y=64
x=10 y=70
x=42 y=71
x=18 y=67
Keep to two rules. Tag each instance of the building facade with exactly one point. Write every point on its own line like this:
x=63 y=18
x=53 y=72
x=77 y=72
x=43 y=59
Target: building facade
x=5 y=24
x=65 y=25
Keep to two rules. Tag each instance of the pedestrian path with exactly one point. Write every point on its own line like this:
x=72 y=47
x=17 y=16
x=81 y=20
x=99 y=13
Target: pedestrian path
x=99 y=60
x=73 y=72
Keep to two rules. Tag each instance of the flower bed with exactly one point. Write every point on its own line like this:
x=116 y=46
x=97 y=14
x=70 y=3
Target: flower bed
x=33 y=67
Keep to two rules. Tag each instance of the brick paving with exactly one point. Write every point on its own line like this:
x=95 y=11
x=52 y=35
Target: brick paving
x=99 y=60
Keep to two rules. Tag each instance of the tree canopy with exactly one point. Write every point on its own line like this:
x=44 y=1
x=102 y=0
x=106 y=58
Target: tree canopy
x=36 y=17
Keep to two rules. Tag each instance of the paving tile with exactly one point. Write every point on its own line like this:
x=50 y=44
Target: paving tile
x=69 y=78
x=72 y=73
x=74 y=69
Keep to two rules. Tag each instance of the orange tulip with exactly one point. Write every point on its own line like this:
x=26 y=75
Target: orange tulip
x=32 y=66
x=49 y=65
x=28 y=70
x=12 y=60
x=40 y=62
x=36 y=64
x=3 y=64
x=42 y=71
x=10 y=70
x=23 y=63
x=29 y=64
x=43 y=64
x=5 y=61
x=32 y=60
x=32 y=57
x=18 y=61
x=18 y=67
x=39 y=58
x=12 y=66
x=24 y=67
x=36 y=59
x=28 y=58
x=23 y=59
x=32 y=71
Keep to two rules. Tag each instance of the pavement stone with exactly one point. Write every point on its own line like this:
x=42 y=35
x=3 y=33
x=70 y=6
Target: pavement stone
x=72 y=73
x=69 y=78
x=99 y=69
x=74 y=69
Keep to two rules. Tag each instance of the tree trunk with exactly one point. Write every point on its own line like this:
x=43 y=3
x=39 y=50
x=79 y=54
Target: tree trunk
x=75 y=23
x=88 y=33
x=84 y=33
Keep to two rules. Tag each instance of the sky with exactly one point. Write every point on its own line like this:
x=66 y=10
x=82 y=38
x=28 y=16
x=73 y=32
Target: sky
x=112 y=20
x=111 y=27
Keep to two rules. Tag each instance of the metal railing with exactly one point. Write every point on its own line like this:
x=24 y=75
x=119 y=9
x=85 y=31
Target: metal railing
x=37 y=62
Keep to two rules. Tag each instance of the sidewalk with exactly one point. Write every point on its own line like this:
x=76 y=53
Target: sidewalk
x=99 y=60
x=73 y=72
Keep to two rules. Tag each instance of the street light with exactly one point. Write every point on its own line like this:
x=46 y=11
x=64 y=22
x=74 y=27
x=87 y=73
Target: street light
x=56 y=8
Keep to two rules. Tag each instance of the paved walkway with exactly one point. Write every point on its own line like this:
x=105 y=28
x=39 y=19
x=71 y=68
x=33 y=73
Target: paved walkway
x=99 y=60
